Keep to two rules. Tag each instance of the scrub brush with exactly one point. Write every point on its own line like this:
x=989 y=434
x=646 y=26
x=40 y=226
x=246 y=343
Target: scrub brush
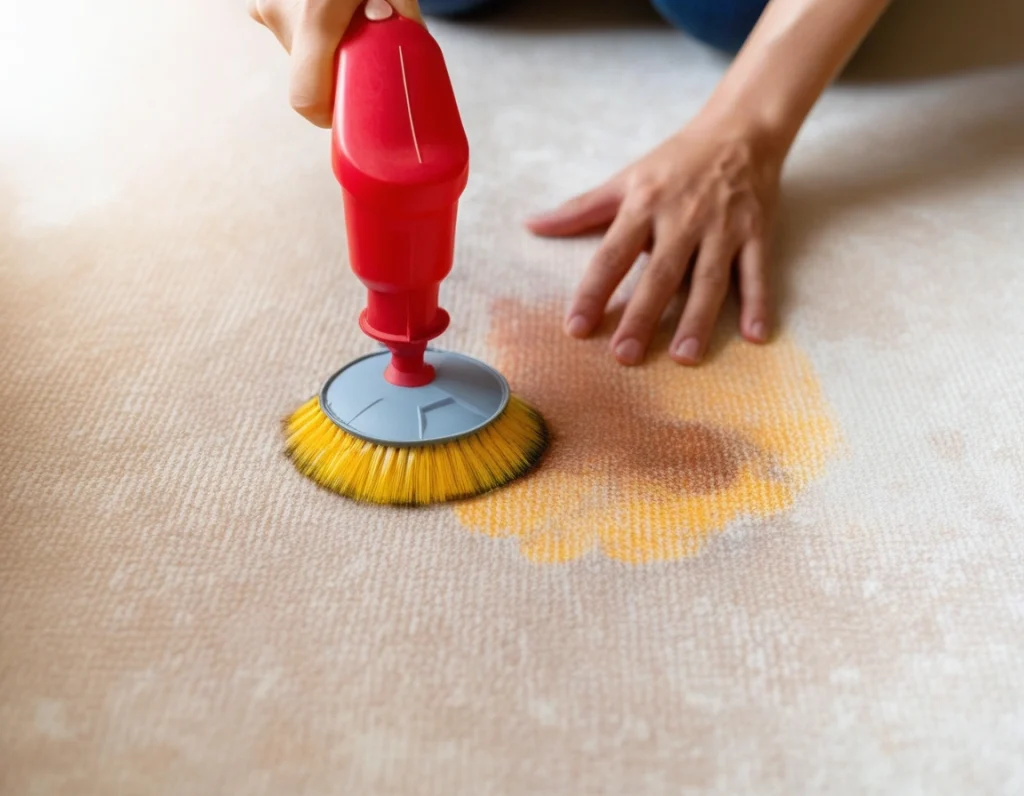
x=408 y=424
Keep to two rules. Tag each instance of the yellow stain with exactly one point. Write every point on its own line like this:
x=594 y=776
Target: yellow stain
x=646 y=463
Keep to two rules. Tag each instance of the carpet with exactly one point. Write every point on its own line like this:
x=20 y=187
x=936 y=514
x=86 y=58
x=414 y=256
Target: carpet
x=795 y=569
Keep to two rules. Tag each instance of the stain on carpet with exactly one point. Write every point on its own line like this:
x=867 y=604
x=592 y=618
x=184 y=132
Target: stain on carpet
x=647 y=462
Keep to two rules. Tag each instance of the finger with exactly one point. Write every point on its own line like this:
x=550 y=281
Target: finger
x=708 y=289
x=580 y=214
x=318 y=32
x=755 y=313
x=314 y=45
x=620 y=248
x=659 y=283
x=277 y=19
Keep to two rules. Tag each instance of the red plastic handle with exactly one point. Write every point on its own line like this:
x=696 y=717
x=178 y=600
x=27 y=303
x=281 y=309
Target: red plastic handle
x=401 y=155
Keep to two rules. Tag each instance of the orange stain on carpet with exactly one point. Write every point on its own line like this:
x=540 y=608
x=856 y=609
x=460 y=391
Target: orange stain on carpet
x=647 y=462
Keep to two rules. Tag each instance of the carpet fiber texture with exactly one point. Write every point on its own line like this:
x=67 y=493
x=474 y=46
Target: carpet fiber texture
x=796 y=569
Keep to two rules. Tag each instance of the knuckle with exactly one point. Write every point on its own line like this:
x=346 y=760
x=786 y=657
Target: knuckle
x=714 y=278
x=266 y=12
x=644 y=196
x=588 y=302
x=741 y=226
x=717 y=228
x=609 y=261
x=754 y=223
x=737 y=214
x=642 y=316
x=663 y=276
x=693 y=213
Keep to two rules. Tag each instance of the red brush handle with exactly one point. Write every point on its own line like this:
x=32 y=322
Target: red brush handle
x=401 y=155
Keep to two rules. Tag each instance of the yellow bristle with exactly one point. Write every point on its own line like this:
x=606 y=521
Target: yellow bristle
x=497 y=454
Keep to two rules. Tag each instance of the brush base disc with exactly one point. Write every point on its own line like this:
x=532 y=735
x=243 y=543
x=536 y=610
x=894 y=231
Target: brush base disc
x=465 y=396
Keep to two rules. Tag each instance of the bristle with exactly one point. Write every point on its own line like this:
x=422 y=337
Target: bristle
x=499 y=453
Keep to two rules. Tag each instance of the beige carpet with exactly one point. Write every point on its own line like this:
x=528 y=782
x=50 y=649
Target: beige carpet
x=839 y=611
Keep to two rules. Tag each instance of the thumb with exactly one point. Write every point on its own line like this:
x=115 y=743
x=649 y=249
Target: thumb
x=580 y=214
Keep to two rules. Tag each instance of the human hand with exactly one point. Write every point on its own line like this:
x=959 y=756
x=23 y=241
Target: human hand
x=310 y=31
x=706 y=197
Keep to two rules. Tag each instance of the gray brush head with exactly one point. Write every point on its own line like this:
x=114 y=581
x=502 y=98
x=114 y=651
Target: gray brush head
x=465 y=396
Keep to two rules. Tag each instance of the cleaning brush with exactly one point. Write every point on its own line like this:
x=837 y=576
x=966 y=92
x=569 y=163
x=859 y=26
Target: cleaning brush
x=407 y=424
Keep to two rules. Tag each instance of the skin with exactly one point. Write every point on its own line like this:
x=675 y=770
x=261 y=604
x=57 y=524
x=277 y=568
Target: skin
x=310 y=32
x=702 y=204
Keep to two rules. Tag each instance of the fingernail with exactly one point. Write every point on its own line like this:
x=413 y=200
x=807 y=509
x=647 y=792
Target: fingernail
x=577 y=326
x=629 y=351
x=760 y=331
x=688 y=349
x=378 y=10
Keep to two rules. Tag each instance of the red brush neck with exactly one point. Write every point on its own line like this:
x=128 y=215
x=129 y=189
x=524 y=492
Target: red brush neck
x=400 y=153
x=407 y=368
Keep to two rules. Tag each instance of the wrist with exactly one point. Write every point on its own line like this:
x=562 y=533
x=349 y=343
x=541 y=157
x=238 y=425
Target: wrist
x=794 y=52
x=768 y=137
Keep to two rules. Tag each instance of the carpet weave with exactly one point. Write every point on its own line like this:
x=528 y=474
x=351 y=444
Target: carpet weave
x=796 y=569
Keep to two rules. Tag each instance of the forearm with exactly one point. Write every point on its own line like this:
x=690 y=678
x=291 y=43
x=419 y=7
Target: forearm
x=793 y=54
